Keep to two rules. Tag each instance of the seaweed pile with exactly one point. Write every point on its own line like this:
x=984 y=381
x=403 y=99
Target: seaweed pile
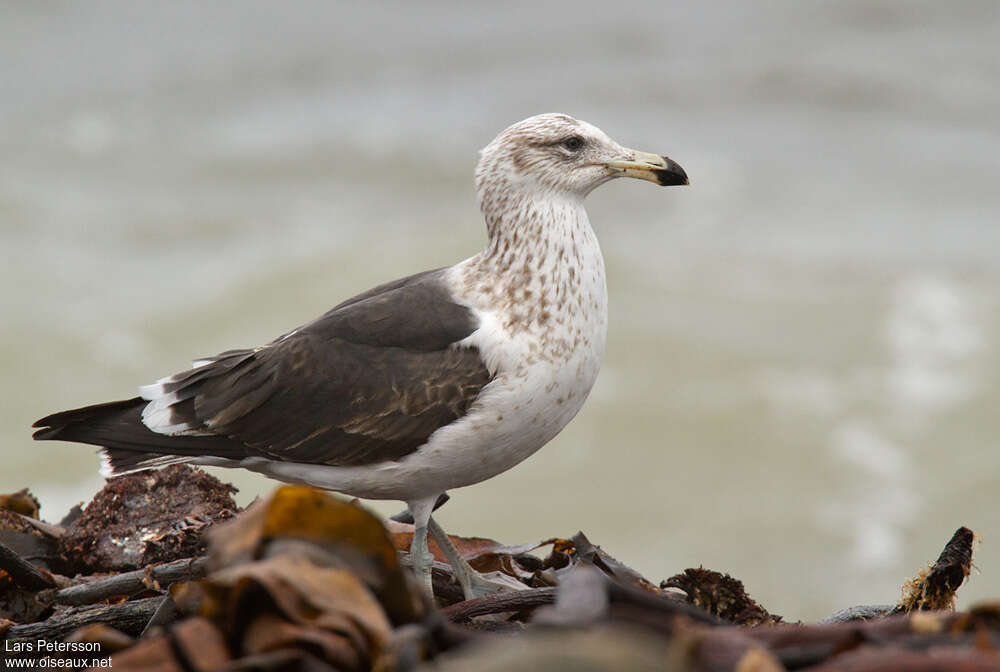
x=162 y=572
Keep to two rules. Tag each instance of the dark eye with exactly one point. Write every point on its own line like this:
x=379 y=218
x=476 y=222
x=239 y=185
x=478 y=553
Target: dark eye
x=573 y=143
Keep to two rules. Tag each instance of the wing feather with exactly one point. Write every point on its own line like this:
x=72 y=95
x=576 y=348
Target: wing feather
x=368 y=381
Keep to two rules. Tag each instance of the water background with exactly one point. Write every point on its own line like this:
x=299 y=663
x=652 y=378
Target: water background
x=802 y=380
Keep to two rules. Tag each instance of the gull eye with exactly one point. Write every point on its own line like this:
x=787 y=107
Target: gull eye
x=573 y=143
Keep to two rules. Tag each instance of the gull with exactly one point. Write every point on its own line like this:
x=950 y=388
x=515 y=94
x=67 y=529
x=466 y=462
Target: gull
x=429 y=383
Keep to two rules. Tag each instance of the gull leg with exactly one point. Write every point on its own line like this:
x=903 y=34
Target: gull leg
x=405 y=516
x=420 y=556
x=473 y=583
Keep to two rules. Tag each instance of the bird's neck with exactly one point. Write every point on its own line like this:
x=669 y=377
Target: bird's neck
x=534 y=228
x=535 y=232
x=542 y=259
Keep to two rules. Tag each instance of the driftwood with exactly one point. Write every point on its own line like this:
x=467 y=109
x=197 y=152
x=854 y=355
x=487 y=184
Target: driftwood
x=498 y=603
x=25 y=574
x=129 y=617
x=128 y=583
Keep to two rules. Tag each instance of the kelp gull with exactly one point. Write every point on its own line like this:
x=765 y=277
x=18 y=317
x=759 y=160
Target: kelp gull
x=425 y=384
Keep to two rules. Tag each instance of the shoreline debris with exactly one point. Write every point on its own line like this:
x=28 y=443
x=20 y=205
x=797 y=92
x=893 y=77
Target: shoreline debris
x=306 y=580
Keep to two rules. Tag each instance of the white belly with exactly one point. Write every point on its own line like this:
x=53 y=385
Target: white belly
x=517 y=413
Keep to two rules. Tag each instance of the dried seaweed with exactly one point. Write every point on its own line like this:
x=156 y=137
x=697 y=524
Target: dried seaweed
x=146 y=518
x=306 y=581
x=720 y=595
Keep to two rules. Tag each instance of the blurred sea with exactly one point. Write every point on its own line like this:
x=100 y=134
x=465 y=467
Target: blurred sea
x=802 y=380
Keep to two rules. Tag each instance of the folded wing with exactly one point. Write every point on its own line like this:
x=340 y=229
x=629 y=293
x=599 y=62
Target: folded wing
x=369 y=381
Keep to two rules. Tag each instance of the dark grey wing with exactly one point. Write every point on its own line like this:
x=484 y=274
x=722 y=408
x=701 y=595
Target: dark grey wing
x=370 y=380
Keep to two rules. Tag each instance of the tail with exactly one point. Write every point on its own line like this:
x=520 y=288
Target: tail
x=128 y=444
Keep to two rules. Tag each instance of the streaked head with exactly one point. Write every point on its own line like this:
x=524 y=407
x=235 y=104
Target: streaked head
x=557 y=153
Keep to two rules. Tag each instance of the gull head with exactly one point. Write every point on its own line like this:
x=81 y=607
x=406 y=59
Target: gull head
x=557 y=154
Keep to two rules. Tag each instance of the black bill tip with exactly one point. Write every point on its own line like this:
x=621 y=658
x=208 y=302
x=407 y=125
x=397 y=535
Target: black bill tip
x=672 y=175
